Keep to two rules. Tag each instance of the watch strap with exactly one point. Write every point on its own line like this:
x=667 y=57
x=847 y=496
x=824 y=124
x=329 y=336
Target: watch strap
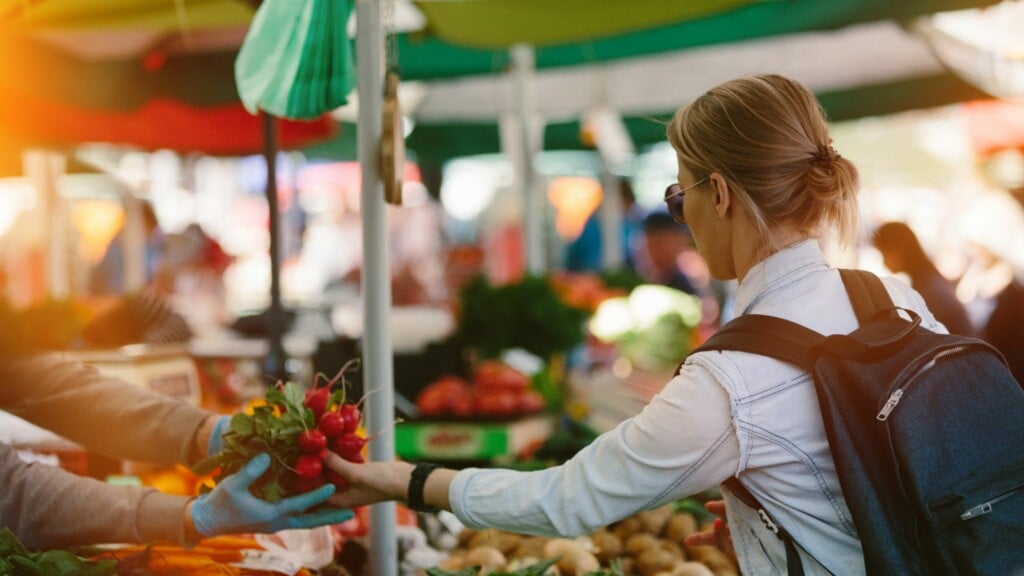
x=417 y=482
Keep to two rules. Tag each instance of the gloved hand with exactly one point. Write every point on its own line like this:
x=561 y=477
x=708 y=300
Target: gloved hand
x=216 y=442
x=231 y=508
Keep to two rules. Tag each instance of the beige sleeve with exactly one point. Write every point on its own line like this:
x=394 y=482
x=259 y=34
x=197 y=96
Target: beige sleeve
x=106 y=415
x=47 y=507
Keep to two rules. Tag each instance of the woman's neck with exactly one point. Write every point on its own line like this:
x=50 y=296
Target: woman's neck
x=758 y=249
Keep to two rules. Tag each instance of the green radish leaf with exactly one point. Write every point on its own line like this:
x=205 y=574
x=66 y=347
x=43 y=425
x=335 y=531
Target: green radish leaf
x=293 y=395
x=206 y=465
x=242 y=424
x=275 y=397
x=273 y=492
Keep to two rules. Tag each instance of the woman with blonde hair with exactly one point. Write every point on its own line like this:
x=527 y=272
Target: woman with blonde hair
x=758 y=183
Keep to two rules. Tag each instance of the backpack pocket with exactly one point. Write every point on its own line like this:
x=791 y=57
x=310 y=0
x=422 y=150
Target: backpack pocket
x=982 y=531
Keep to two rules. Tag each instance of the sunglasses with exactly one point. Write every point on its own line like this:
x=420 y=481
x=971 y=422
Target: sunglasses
x=674 y=196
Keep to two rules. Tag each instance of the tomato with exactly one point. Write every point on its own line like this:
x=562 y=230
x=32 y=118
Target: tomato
x=442 y=395
x=463 y=405
x=497 y=402
x=493 y=374
x=432 y=401
x=531 y=401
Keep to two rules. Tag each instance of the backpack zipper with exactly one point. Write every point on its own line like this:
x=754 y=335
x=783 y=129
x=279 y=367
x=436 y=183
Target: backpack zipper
x=982 y=509
x=890 y=404
x=897 y=394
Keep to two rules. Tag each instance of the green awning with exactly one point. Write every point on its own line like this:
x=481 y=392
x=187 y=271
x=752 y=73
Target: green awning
x=426 y=56
x=502 y=23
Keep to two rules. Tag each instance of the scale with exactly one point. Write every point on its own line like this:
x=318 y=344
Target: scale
x=164 y=369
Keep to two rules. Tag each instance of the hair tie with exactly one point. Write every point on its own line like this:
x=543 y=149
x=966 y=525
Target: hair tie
x=826 y=153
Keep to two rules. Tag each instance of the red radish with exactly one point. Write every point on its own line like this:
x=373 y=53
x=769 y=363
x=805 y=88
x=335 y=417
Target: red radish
x=332 y=424
x=350 y=414
x=349 y=446
x=313 y=442
x=334 y=478
x=303 y=485
x=316 y=400
x=309 y=466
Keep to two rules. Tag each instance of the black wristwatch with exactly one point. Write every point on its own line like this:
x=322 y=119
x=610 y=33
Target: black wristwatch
x=419 y=479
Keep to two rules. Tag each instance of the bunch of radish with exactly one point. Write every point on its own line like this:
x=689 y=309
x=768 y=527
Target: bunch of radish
x=337 y=428
x=296 y=428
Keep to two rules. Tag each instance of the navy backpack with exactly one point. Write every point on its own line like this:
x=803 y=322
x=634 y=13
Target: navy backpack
x=926 y=430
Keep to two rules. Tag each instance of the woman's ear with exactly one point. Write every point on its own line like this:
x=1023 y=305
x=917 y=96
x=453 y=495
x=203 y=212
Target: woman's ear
x=721 y=195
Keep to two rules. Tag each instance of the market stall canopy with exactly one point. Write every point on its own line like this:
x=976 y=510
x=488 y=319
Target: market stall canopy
x=159 y=124
x=123 y=53
x=296 y=61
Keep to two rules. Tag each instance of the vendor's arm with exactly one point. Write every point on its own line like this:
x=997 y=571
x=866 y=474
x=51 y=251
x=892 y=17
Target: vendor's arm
x=104 y=414
x=681 y=444
x=47 y=507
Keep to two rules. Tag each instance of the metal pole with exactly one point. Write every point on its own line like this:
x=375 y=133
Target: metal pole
x=378 y=369
x=275 y=361
x=533 y=201
x=610 y=215
x=134 y=246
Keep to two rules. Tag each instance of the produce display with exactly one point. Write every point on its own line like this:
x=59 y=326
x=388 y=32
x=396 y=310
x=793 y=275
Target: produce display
x=654 y=327
x=295 y=428
x=16 y=560
x=529 y=314
x=496 y=391
x=650 y=543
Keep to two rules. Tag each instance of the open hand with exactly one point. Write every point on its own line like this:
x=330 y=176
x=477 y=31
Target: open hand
x=719 y=536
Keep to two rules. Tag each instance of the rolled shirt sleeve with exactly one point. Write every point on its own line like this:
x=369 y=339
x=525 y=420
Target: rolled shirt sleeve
x=682 y=443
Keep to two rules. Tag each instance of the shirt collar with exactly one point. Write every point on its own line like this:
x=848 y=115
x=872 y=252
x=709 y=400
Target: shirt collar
x=796 y=259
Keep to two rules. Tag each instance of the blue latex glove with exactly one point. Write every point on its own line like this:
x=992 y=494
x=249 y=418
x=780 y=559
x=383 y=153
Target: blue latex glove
x=216 y=442
x=231 y=508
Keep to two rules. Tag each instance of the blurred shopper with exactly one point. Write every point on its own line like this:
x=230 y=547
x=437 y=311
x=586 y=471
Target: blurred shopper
x=996 y=291
x=1005 y=327
x=586 y=252
x=664 y=242
x=47 y=507
x=903 y=254
x=758 y=183
x=192 y=277
x=108 y=276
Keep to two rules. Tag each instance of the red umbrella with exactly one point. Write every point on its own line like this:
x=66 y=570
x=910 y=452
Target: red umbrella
x=160 y=123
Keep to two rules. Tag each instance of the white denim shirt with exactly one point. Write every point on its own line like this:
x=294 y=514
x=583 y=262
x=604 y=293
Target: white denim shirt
x=724 y=414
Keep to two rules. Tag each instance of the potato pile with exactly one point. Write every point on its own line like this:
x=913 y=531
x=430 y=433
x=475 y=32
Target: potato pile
x=647 y=544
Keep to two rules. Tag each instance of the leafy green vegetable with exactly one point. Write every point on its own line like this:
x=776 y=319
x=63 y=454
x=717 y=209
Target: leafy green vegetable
x=528 y=314
x=16 y=560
